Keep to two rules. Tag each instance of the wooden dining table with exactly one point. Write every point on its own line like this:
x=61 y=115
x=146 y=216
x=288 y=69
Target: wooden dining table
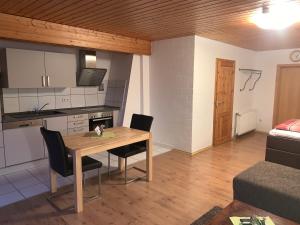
x=84 y=144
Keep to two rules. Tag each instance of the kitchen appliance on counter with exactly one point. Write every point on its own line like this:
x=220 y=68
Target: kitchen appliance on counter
x=100 y=118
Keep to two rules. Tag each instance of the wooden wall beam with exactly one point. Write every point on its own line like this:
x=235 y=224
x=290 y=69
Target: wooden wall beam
x=25 y=29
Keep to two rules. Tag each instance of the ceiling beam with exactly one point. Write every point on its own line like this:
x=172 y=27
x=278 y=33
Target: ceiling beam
x=25 y=29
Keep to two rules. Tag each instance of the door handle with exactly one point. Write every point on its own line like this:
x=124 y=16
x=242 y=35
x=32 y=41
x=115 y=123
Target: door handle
x=43 y=81
x=48 y=81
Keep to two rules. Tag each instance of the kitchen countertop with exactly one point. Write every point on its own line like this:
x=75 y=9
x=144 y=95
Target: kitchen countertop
x=9 y=117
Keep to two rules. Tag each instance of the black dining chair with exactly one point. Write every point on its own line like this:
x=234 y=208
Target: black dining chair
x=139 y=122
x=62 y=162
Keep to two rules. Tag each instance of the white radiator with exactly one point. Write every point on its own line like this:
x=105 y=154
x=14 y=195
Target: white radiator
x=245 y=122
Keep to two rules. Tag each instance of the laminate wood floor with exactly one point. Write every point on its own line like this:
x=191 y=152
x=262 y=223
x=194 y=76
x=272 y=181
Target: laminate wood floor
x=183 y=189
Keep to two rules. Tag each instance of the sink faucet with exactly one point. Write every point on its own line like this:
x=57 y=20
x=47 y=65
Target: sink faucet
x=38 y=110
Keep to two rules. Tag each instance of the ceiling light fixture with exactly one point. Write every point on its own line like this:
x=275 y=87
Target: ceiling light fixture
x=279 y=15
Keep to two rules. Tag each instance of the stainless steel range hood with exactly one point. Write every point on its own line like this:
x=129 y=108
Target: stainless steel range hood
x=88 y=74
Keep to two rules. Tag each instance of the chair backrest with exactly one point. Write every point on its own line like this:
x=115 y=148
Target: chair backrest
x=58 y=156
x=141 y=122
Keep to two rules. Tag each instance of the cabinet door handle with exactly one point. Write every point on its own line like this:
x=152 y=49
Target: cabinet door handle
x=78 y=123
x=43 y=81
x=48 y=81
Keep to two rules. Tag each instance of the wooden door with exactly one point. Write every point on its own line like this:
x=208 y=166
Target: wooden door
x=224 y=90
x=287 y=94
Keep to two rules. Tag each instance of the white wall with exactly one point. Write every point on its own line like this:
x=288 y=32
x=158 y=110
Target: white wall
x=182 y=82
x=171 y=85
x=118 y=79
x=264 y=93
x=206 y=53
x=137 y=100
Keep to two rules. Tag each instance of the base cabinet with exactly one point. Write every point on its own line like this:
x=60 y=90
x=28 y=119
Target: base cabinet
x=23 y=145
x=2 y=158
x=56 y=123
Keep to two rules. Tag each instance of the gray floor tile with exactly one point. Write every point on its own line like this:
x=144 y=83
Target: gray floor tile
x=34 y=190
x=10 y=198
x=6 y=188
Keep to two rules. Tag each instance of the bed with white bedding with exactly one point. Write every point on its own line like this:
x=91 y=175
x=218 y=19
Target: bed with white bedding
x=283 y=144
x=285 y=133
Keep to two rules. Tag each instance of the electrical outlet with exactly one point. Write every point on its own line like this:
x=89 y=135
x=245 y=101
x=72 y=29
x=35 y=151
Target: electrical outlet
x=65 y=99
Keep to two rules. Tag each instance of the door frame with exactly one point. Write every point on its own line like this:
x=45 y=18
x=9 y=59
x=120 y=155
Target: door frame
x=276 y=94
x=215 y=95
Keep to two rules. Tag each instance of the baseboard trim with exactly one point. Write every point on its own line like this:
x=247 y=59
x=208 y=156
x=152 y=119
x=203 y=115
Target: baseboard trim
x=163 y=145
x=200 y=150
x=194 y=152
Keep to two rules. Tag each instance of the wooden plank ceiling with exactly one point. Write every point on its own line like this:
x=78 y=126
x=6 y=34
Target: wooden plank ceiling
x=223 y=20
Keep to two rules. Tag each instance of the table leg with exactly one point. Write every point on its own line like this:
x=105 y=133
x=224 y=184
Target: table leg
x=53 y=181
x=77 y=166
x=121 y=164
x=149 y=158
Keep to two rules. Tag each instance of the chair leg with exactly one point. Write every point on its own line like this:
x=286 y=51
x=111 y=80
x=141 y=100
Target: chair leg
x=99 y=181
x=108 y=164
x=125 y=170
x=83 y=180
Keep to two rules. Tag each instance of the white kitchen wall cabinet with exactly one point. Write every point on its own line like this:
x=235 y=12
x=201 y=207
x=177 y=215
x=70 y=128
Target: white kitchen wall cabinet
x=23 y=68
x=37 y=69
x=23 y=145
x=56 y=123
x=60 y=69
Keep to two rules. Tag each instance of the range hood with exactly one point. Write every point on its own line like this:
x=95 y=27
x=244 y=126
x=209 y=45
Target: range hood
x=88 y=74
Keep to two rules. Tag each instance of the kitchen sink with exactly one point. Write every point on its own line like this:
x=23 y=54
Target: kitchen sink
x=37 y=114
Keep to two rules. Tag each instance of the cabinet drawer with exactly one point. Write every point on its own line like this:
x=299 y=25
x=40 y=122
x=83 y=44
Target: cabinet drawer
x=80 y=123
x=77 y=117
x=78 y=130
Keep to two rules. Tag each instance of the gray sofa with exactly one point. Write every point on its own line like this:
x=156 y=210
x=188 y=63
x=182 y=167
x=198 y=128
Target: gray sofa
x=272 y=187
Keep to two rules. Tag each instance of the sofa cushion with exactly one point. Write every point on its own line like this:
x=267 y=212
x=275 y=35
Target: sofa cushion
x=272 y=187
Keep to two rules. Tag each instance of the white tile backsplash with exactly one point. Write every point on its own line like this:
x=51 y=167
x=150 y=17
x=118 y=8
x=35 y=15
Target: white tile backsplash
x=28 y=103
x=77 y=101
x=62 y=91
x=11 y=105
x=47 y=99
x=27 y=92
x=101 y=99
x=46 y=92
x=77 y=91
x=62 y=101
x=105 y=82
x=28 y=99
x=10 y=92
x=90 y=90
x=91 y=100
